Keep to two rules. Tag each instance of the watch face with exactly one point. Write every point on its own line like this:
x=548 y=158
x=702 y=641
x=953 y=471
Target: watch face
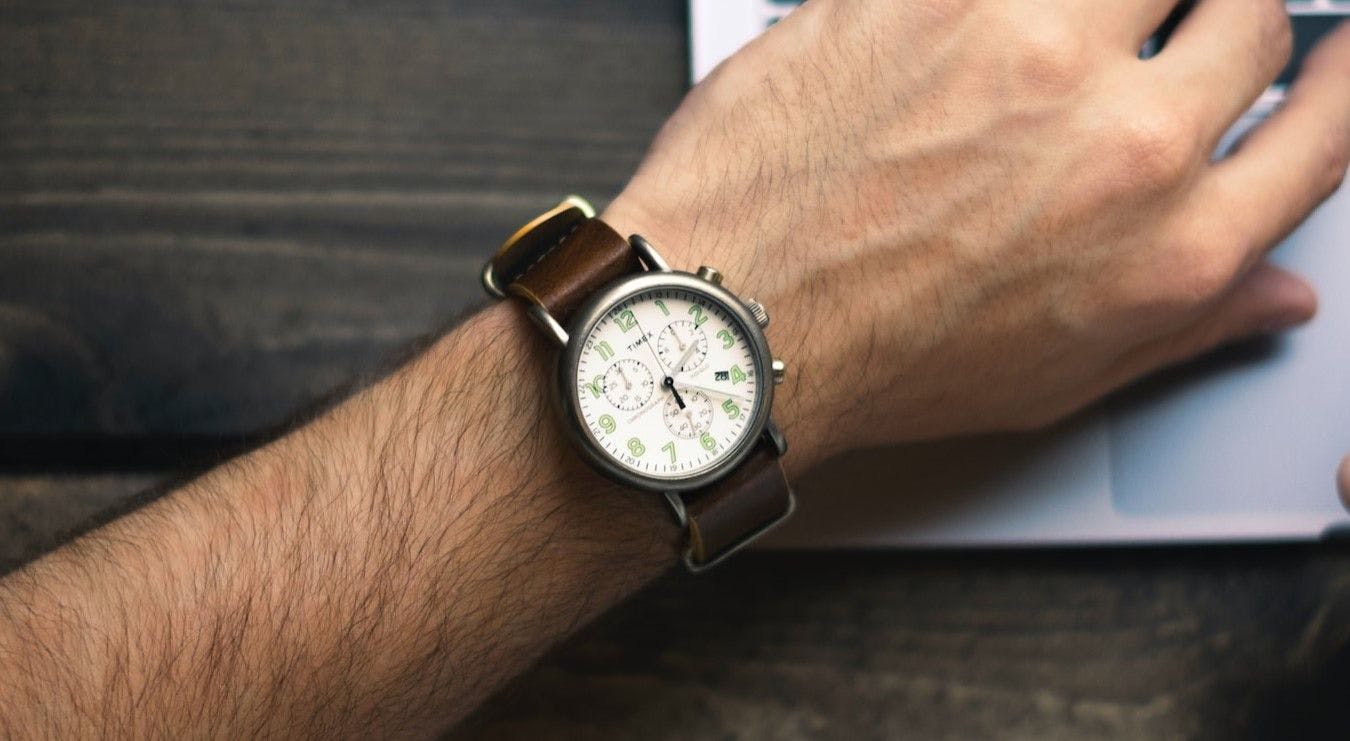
x=668 y=382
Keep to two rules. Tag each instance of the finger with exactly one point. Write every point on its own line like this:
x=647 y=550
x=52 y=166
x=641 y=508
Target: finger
x=1291 y=162
x=1343 y=481
x=1266 y=300
x=1222 y=56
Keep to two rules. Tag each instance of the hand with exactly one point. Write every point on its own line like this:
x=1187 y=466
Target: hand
x=981 y=216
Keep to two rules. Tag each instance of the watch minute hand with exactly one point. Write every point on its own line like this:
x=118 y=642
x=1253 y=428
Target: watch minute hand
x=710 y=390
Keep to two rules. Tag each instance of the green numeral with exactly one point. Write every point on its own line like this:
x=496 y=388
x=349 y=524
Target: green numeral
x=670 y=448
x=737 y=375
x=699 y=316
x=662 y=306
x=625 y=320
x=707 y=441
x=606 y=352
x=636 y=447
x=726 y=338
x=595 y=386
x=731 y=409
x=607 y=423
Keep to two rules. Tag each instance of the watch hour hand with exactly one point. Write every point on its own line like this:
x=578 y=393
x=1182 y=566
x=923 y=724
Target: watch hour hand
x=670 y=384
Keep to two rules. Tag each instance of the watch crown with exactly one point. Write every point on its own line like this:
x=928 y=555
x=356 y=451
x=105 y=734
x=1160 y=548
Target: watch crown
x=758 y=311
x=709 y=274
x=779 y=371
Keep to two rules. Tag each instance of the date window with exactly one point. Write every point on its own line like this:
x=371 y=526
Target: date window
x=721 y=375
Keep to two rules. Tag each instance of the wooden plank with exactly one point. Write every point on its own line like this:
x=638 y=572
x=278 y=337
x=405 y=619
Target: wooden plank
x=1198 y=643
x=38 y=512
x=211 y=214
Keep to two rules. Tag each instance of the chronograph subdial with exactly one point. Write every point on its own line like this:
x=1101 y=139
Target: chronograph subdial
x=682 y=346
x=628 y=384
x=693 y=419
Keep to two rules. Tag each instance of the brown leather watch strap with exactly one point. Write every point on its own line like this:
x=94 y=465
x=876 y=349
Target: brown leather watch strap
x=555 y=263
x=559 y=275
x=726 y=515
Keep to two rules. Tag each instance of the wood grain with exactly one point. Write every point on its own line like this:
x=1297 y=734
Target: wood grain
x=214 y=214
x=1201 y=643
x=37 y=512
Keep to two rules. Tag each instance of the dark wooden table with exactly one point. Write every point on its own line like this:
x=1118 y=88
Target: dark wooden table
x=214 y=214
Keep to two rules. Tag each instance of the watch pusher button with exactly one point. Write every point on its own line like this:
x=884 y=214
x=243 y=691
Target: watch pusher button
x=758 y=311
x=779 y=371
x=711 y=275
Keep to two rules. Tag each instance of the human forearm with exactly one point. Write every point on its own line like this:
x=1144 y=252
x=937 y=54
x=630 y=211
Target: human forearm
x=383 y=568
x=934 y=269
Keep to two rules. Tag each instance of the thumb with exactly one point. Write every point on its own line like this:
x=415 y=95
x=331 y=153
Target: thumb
x=1268 y=299
x=1343 y=481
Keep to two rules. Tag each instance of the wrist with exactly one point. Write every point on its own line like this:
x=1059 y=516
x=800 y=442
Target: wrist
x=482 y=395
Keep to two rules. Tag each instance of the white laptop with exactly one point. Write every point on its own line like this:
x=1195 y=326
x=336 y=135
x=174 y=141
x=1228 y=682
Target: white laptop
x=1242 y=445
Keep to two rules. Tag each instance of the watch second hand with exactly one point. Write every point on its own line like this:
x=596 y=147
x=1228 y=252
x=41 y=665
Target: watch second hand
x=646 y=340
x=669 y=381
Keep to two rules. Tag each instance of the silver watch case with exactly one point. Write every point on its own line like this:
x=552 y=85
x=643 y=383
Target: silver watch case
x=590 y=313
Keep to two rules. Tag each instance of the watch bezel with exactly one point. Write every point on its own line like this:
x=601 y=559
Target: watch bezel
x=590 y=314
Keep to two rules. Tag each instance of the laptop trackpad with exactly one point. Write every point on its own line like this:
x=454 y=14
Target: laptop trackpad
x=1254 y=429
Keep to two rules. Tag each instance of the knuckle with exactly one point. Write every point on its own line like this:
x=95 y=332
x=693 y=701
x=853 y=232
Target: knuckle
x=1157 y=149
x=1276 y=35
x=1196 y=276
x=1051 y=57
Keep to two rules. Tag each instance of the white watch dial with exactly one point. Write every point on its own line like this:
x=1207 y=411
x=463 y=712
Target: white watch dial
x=667 y=383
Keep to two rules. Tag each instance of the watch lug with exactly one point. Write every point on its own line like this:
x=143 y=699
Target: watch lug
x=647 y=254
x=775 y=438
x=676 y=503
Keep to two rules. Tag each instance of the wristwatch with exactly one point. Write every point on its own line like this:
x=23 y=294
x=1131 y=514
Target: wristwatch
x=664 y=378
